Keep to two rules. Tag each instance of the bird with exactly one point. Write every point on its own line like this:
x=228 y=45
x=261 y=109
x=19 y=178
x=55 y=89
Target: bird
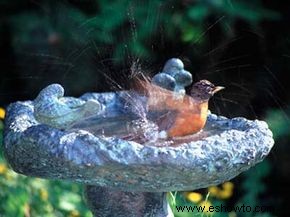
x=154 y=113
x=179 y=115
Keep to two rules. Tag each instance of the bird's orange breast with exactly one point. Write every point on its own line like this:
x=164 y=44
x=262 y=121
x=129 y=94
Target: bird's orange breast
x=189 y=121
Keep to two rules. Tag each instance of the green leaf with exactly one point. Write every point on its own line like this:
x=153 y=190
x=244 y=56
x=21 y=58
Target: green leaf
x=279 y=123
x=198 y=12
x=69 y=201
x=192 y=34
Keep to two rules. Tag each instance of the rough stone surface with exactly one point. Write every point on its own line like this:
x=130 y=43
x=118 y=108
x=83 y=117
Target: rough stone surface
x=224 y=149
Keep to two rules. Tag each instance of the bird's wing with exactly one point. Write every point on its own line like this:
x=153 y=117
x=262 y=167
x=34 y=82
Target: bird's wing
x=160 y=98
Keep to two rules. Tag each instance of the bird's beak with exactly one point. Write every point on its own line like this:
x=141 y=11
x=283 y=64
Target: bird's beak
x=217 y=89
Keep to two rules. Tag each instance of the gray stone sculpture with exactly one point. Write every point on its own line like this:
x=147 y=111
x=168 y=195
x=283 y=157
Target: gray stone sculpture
x=125 y=178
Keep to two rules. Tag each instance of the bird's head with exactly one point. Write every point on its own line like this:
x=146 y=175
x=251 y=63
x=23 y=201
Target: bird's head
x=203 y=90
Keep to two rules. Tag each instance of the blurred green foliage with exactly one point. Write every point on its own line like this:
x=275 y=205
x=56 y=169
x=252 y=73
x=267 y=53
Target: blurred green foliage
x=279 y=122
x=23 y=196
x=128 y=26
x=254 y=187
x=251 y=189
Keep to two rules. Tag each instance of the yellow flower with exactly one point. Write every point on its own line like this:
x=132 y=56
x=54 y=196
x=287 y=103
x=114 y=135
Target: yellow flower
x=74 y=213
x=225 y=192
x=194 y=197
x=2 y=113
x=228 y=185
x=43 y=194
x=213 y=190
x=206 y=204
x=3 y=169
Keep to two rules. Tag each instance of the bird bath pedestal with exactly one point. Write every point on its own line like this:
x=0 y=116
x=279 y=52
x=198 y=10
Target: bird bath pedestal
x=125 y=178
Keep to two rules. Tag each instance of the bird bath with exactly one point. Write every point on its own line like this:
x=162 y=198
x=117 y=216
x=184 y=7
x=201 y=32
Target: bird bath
x=125 y=178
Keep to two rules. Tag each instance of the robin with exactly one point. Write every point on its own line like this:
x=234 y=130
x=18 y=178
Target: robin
x=181 y=114
x=159 y=113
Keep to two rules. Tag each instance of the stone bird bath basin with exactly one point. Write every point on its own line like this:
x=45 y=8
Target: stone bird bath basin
x=125 y=178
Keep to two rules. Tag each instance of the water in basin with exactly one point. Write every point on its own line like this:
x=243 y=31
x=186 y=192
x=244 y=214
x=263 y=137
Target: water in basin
x=143 y=131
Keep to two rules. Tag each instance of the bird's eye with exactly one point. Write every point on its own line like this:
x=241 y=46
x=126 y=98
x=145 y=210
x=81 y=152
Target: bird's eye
x=208 y=89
